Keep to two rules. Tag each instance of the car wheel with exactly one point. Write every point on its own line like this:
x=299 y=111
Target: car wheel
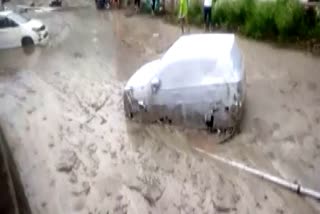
x=127 y=107
x=27 y=42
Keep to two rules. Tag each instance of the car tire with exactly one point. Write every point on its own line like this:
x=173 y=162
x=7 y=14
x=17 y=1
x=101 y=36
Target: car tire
x=127 y=107
x=27 y=42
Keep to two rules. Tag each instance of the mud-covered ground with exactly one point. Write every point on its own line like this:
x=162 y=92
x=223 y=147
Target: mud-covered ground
x=61 y=110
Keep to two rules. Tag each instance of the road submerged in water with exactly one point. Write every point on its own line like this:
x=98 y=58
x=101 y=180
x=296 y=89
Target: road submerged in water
x=61 y=109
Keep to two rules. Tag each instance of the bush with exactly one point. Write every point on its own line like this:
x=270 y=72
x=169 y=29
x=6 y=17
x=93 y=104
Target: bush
x=261 y=23
x=289 y=19
x=195 y=12
x=280 y=19
x=232 y=13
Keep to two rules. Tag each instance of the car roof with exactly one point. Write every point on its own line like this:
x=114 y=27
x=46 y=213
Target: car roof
x=195 y=46
x=5 y=13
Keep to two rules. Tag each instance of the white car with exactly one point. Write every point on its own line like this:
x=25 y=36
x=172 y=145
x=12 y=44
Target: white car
x=17 y=30
x=199 y=83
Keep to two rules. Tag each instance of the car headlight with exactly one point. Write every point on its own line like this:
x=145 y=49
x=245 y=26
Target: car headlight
x=238 y=104
x=37 y=30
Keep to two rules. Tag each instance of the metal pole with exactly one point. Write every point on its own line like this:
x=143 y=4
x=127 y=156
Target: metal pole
x=289 y=185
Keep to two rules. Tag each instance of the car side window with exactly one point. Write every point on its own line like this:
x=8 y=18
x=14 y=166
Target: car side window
x=7 y=23
x=172 y=76
x=3 y=23
x=186 y=73
x=235 y=54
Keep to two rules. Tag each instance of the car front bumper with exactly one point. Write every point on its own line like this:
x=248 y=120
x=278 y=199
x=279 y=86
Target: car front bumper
x=220 y=118
x=43 y=38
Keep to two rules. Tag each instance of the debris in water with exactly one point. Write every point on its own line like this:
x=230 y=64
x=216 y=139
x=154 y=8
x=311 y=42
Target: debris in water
x=67 y=161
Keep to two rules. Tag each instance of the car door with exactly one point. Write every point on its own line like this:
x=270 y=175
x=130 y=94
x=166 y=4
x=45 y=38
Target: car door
x=10 y=34
x=180 y=93
x=4 y=34
x=168 y=98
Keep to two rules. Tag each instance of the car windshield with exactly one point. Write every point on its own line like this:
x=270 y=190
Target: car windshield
x=191 y=73
x=19 y=19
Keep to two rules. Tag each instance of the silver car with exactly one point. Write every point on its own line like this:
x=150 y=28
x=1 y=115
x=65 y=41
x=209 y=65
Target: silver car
x=198 y=83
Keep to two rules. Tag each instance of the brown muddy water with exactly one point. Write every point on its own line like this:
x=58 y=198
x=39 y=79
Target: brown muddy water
x=61 y=108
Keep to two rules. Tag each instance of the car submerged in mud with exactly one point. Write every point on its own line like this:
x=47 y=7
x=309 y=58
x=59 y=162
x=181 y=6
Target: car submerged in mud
x=198 y=83
x=17 y=30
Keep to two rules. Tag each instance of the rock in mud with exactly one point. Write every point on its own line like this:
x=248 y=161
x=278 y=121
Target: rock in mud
x=73 y=178
x=92 y=148
x=83 y=190
x=67 y=161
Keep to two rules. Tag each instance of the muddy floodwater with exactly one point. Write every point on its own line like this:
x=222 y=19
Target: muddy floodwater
x=62 y=112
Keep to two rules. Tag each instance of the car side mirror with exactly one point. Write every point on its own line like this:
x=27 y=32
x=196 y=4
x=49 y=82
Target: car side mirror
x=155 y=85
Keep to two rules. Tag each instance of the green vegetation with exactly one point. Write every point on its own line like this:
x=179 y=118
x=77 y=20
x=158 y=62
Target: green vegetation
x=196 y=13
x=278 y=19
